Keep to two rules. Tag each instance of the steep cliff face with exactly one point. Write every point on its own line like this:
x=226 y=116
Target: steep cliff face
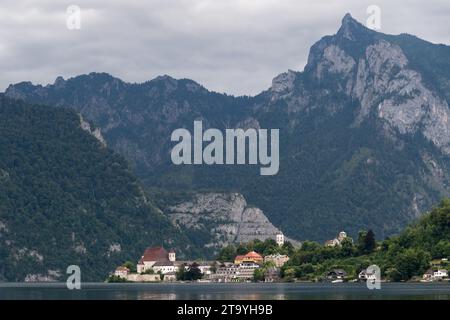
x=380 y=77
x=222 y=218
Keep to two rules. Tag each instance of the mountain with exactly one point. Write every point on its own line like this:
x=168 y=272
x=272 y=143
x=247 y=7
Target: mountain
x=66 y=199
x=364 y=132
x=215 y=220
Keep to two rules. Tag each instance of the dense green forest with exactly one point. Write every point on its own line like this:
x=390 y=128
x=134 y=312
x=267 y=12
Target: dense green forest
x=65 y=199
x=400 y=258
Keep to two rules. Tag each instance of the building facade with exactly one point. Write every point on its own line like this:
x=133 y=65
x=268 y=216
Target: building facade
x=277 y=259
x=158 y=259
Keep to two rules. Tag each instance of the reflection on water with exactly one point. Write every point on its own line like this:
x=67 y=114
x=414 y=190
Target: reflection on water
x=211 y=291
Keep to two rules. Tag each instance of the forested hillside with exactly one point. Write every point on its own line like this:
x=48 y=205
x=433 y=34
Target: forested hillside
x=67 y=199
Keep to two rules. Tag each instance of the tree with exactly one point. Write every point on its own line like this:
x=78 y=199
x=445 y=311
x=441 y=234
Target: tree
x=259 y=274
x=193 y=273
x=287 y=248
x=366 y=242
x=304 y=270
x=289 y=274
x=181 y=273
x=347 y=248
x=213 y=267
x=149 y=271
x=130 y=265
x=360 y=244
x=369 y=242
x=227 y=253
x=409 y=263
x=441 y=249
x=310 y=246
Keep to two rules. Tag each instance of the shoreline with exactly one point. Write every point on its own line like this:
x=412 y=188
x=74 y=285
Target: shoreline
x=168 y=283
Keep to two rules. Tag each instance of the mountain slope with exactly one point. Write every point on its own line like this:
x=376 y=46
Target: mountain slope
x=364 y=132
x=66 y=199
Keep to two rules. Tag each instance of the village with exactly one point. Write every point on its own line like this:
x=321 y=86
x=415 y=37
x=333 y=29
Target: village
x=160 y=265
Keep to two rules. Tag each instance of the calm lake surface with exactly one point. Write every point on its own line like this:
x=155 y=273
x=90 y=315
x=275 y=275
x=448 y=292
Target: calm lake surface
x=251 y=291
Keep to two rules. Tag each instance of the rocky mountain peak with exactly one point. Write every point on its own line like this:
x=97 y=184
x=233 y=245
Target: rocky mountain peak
x=351 y=29
x=59 y=82
x=283 y=82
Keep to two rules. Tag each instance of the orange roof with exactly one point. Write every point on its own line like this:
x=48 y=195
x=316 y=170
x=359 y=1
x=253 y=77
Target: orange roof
x=253 y=255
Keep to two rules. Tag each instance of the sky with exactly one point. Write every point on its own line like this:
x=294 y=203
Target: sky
x=231 y=46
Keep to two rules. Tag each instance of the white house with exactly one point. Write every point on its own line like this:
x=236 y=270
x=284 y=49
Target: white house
x=439 y=274
x=122 y=272
x=165 y=267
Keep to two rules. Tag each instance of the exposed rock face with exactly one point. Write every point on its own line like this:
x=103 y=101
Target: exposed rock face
x=51 y=276
x=284 y=82
x=382 y=80
x=96 y=133
x=226 y=216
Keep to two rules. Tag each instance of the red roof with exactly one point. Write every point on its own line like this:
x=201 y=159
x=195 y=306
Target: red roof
x=155 y=254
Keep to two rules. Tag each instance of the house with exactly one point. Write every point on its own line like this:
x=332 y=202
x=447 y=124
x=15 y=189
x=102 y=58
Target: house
x=164 y=267
x=364 y=275
x=153 y=255
x=440 y=274
x=226 y=273
x=336 y=274
x=278 y=259
x=246 y=270
x=252 y=256
x=235 y=272
x=272 y=275
x=428 y=275
x=332 y=243
x=435 y=274
x=122 y=272
x=337 y=241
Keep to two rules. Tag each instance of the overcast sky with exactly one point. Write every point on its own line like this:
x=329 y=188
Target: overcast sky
x=232 y=46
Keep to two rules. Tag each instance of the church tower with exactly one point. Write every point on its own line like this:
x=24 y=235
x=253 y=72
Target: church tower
x=280 y=239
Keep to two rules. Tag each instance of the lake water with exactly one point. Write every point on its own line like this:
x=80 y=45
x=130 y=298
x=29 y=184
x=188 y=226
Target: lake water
x=251 y=291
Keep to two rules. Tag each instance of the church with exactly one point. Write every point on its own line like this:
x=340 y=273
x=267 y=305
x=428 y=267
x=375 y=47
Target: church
x=158 y=259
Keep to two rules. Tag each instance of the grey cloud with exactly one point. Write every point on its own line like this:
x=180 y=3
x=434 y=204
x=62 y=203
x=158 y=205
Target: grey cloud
x=233 y=46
